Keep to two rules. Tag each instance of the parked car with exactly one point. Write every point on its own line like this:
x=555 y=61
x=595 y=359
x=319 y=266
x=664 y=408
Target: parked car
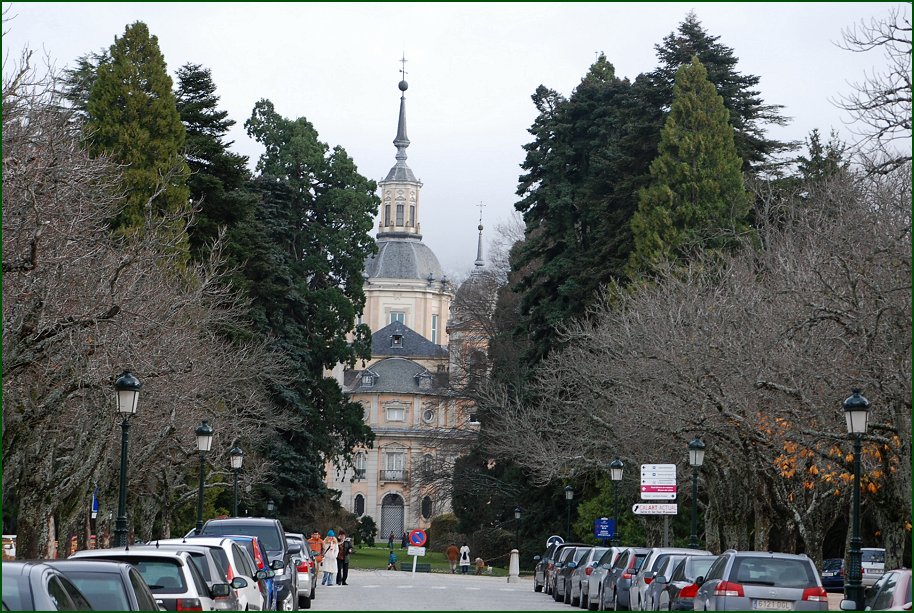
x=892 y=592
x=542 y=562
x=677 y=591
x=566 y=564
x=595 y=580
x=36 y=586
x=755 y=580
x=108 y=586
x=213 y=566
x=618 y=581
x=581 y=574
x=271 y=534
x=553 y=567
x=872 y=565
x=648 y=569
x=172 y=576
x=307 y=569
x=256 y=595
x=832 y=574
x=263 y=563
x=664 y=570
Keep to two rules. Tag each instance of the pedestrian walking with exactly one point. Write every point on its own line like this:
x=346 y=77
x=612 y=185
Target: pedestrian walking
x=331 y=551
x=452 y=555
x=390 y=541
x=316 y=544
x=404 y=541
x=342 y=559
x=392 y=561
x=465 y=558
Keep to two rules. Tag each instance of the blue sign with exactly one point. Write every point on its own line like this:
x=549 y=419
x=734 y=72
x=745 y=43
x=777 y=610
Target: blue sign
x=604 y=528
x=95 y=503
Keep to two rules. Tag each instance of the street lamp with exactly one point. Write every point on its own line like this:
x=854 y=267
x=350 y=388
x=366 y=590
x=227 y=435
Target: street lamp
x=517 y=514
x=127 y=387
x=204 y=434
x=237 y=457
x=696 y=459
x=856 y=412
x=615 y=474
x=271 y=507
x=569 y=494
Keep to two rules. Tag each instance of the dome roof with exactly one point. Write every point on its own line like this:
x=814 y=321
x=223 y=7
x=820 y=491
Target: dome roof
x=403 y=258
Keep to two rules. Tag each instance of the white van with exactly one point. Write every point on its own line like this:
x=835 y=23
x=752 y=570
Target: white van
x=872 y=565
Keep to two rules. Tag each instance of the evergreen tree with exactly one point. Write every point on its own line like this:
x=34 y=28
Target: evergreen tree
x=697 y=198
x=749 y=114
x=218 y=177
x=134 y=120
x=78 y=81
x=305 y=275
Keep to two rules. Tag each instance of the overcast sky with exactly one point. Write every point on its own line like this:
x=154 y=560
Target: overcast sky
x=471 y=70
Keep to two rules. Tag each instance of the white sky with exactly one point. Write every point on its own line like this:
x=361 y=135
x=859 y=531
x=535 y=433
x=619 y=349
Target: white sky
x=471 y=70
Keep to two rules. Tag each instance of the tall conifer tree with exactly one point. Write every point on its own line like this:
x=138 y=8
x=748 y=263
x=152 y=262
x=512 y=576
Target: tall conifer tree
x=134 y=120
x=697 y=199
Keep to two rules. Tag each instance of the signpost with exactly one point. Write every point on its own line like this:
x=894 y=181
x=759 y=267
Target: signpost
x=655 y=509
x=417 y=538
x=604 y=528
x=555 y=538
x=658 y=482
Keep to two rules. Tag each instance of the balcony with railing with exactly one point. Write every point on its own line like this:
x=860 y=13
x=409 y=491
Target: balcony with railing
x=397 y=476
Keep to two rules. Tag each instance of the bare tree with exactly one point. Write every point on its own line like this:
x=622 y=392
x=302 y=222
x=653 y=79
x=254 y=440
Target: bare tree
x=880 y=105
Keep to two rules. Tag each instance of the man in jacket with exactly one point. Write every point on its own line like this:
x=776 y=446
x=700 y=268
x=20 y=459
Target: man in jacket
x=452 y=554
x=342 y=559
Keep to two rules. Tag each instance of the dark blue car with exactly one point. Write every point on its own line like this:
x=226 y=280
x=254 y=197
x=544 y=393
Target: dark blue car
x=257 y=550
x=833 y=574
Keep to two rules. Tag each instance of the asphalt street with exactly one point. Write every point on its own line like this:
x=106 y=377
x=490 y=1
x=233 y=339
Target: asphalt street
x=387 y=590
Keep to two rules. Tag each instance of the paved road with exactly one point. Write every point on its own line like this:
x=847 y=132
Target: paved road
x=382 y=590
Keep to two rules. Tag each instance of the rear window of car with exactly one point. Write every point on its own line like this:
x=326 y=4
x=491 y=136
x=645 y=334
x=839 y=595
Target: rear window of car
x=104 y=591
x=199 y=560
x=639 y=560
x=580 y=552
x=265 y=533
x=832 y=564
x=162 y=576
x=699 y=566
x=221 y=561
x=874 y=556
x=782 y=572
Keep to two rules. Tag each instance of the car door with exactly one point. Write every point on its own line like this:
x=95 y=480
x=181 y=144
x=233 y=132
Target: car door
x=256 y=590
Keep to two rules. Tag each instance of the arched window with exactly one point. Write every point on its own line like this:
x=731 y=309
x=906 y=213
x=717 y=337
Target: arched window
x=399 y=212
x=386 y=214
x=426 y=507
x=358 y=505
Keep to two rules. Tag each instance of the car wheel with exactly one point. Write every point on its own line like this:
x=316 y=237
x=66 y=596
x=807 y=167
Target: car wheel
x=582 y=601
x=593 y=606
x=304 y=603
x=536 y=586
x=616 y=601
x=567 y=598
x=555 y=592
x=312 y=593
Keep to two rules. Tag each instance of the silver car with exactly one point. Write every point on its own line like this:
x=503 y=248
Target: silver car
x=581 y=574
x=305 y=561
x=761 y=581
x=594 y=587
x=642 y=581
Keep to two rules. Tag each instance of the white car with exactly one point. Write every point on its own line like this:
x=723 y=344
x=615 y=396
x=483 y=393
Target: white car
x=595 y=579
x=872 y=565
x=647 y=572
x=252 y=597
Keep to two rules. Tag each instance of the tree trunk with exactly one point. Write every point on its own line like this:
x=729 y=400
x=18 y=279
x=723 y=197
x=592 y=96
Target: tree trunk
x=761 y=540
x=712 y=530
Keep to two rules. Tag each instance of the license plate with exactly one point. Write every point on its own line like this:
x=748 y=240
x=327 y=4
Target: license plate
x=772 y=605
x=828 y=574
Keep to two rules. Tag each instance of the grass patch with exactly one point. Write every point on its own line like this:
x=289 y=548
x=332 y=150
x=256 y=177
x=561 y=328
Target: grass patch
x=374 y=558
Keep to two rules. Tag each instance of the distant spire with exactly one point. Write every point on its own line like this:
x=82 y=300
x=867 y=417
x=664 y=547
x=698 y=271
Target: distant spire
x=479 y=261
x=402 y=141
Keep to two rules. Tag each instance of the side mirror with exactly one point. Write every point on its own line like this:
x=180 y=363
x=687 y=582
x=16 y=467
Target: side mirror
x=699 y=581
x=295 y=548
x=220 y=590
x=277 y=565
x=661 y=580
x=260 y=575
x=847 y=605
x=239 y=583
x=572 y=565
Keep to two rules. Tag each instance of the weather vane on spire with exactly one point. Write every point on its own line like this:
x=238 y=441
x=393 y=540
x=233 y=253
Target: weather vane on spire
x=480 y=205
x=403 y=68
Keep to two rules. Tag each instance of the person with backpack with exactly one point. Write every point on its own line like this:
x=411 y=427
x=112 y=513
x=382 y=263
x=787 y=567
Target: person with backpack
x=465 y=559
x=342 y=559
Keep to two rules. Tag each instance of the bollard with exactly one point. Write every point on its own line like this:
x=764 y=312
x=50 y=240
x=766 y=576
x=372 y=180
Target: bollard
x=514 y=567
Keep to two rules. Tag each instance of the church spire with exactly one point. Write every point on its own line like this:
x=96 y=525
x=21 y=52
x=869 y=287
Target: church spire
x=402 y=141
x=479 y=263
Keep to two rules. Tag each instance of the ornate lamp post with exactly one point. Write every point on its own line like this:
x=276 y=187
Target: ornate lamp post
x=271 y=507
x=204 y=434
x=237 y=457
x=615 y=474
x=696 y=459
x=127 y=387
x=569 y=494
x=856 y=412
x=517 y=515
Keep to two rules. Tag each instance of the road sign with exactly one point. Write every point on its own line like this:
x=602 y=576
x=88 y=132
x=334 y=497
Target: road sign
x=658 y=481
x=417 y=538
x=604 y=528
x=655 y=509
x=415 y=551
x=555 y=538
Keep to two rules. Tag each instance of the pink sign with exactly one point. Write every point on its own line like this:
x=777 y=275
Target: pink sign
x=671 y=489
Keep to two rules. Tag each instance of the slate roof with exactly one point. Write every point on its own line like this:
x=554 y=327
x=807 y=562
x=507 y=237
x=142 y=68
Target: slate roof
x=403 y=258
x=396 y=375
x=413 y=344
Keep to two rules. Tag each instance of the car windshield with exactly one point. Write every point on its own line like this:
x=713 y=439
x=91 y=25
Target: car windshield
x=104 y=591
x=874 y=556
x=265 y=533
x=832 y=564
x=780 y=572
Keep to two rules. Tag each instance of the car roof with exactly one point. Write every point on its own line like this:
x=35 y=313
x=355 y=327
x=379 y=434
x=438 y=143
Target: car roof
x=132 y=553
x=768 y=554
x=93 y=564
x=244 y=520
